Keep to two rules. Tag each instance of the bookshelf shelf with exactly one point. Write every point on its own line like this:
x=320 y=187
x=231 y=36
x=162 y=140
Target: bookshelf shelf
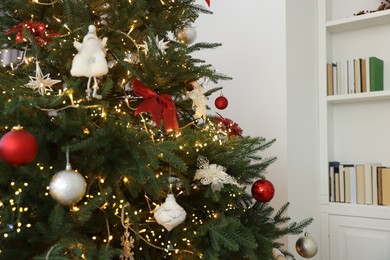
x=357 y=210
x=359 y=97
x=359 y=22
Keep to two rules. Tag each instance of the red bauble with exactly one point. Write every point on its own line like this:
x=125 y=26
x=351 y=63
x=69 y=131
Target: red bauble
x=263 y=190
x=18 y=147
x=221 y=102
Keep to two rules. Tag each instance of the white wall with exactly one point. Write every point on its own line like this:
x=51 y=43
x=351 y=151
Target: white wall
x=254 y=54
x=272 y=95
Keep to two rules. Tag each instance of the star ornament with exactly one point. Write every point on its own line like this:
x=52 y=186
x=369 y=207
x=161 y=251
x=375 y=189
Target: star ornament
x=41 y=82
x=161 y=45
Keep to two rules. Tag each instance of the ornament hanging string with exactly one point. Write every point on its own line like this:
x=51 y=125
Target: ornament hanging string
x=128 y=36
x=48 y=253
x=68 y=166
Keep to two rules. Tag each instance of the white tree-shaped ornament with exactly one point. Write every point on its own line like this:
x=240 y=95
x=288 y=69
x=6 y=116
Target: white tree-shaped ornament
x=213 y=174
x=90 y=61
x=170 y=214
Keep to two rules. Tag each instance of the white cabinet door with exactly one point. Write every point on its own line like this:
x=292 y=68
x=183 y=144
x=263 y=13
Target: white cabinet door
x=352 y=238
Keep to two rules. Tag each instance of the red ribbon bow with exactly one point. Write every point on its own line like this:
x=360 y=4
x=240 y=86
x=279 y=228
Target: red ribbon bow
x=159 y=105
x=36 y=29
x=208 y=2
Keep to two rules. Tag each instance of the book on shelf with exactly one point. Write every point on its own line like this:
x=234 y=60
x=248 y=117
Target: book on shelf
x=341 y=183
x=350 y=185
x=368 y=74
x=376 y=73
x=357 y=79
x=364 y=183
x=333 y=168
x=363 y=73
x=351 y=81
x=357 y=75
x=337 y=187
x=360 y=186
x=375 y=183
x=335 y=80
x=340 y=77
x=384 y=186
x=352 y=180
x=369 y=170
x=329 y=69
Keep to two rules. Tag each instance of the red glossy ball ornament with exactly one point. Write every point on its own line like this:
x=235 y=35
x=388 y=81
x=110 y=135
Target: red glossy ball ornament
x=18 y=147
x=263 y=190
x=221 y=102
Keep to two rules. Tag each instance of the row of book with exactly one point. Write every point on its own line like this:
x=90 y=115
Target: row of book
x=367 y=183
x=355 y=76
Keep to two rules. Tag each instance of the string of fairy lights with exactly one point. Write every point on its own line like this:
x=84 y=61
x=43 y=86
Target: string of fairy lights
x=150 y=236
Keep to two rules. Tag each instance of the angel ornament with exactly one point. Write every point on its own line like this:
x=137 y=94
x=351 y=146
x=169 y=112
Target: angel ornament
x=90 y=60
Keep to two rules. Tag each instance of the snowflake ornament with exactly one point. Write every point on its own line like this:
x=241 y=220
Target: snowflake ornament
x=198 y=100
x=161 y=45
x=41 y=82
x=213 y=174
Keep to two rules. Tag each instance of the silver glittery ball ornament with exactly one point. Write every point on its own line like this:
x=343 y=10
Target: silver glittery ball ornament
x=67 y=187
x=306 y=246
x=186 y=35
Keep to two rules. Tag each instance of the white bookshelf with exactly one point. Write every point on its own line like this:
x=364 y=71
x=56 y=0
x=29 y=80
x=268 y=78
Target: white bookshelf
x=353 y=128
x=359 y=97
x=359 y=22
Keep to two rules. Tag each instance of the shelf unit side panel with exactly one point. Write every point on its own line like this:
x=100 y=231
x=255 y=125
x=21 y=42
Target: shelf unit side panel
x=323 y=121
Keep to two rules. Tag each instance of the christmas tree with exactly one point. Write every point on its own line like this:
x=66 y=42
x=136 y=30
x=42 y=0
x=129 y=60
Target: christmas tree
x=107 y=149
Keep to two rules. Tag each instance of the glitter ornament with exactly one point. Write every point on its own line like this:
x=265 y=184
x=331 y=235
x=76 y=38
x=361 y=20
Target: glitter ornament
x=221 y=102
x=306 y=246
x=263 y=190
x=170 y=214
x=67 y=187
x=18 y=147
x=186 y=35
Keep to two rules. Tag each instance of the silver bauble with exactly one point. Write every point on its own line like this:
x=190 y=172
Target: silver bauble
x=67 y=187
x=306 y=246
x=186 y=35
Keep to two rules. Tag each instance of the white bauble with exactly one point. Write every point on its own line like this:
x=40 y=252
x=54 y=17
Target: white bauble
x=186 y=35
x=170 y=214
x=67 y=187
